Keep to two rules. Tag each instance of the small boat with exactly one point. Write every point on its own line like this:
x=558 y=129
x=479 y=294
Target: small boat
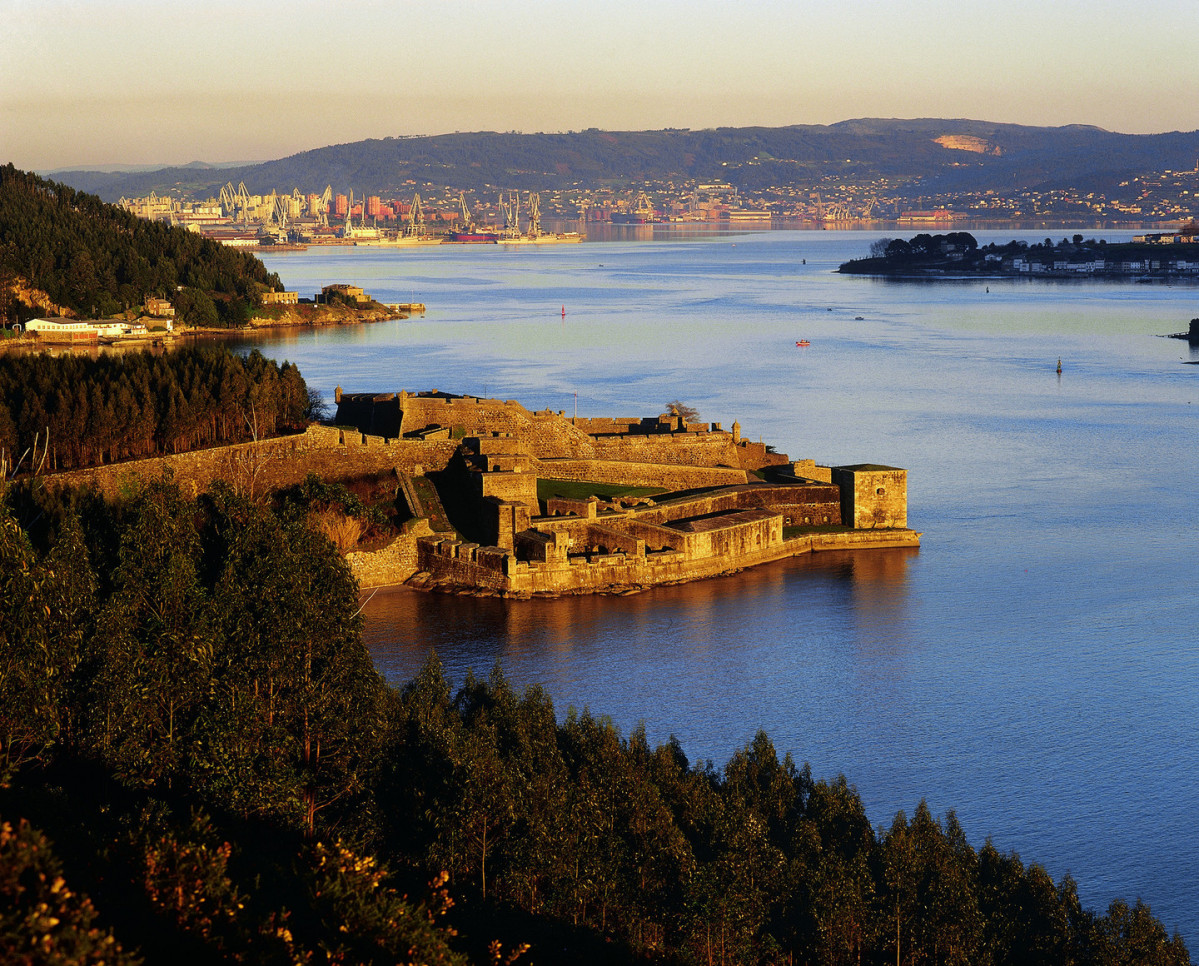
x=803 y=343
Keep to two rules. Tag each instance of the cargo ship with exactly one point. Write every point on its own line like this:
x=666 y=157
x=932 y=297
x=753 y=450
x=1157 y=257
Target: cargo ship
x=473 y=237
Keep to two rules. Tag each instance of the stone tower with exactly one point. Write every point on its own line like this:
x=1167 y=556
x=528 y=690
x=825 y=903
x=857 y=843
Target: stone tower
x=873 y=497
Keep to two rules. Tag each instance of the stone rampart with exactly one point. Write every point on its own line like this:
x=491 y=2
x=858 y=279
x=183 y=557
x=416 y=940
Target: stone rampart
x=330 y=452
x=665 y=476
x=614 y=540
x=393 y=564
x=815 y=502
x=705 y=449
x=544 y=432
x=655 y=536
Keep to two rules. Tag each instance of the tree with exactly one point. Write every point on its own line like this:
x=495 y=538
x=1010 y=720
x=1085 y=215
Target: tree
x=299 y=710
x=686 y=413
x=154 y=646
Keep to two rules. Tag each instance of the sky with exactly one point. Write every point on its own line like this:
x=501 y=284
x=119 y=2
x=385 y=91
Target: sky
x=106 y=82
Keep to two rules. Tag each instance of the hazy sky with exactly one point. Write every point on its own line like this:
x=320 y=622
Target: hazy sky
x=171 y=81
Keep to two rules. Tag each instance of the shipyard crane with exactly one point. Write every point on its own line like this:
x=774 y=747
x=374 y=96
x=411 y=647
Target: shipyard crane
x=278 y=212
x=534 y=214
x=510 y=210
x=467 y=221
x=235 y=201
x=643 y=206
x=320 y=208
x=416 y=218
x=269 y=203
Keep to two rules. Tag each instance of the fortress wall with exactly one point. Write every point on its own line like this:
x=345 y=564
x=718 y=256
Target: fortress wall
x=656 y=537
x=864 y=539
x=753 y=456
x=809 y=514
x=561 y=506
x=467 y=564
x=272 y=463
x=613 y=540
x=502 y=521
x=813 y=501
x=596 y=426
x=739 y=540
x=499 y=445
x=687 y=449
x=391 y=565
x=671 y=477
x=511 y=487
x=543 y=433
x=746 y=544
x=541 y=547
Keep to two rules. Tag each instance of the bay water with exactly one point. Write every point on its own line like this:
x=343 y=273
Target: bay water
x=1033 y=666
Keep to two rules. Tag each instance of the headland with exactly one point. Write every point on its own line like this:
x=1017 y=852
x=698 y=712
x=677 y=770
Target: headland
x=957 y=255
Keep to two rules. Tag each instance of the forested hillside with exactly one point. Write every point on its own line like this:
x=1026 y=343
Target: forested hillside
x=199 y=764
x=926 y=154
x=97 y=260
x=85 y=412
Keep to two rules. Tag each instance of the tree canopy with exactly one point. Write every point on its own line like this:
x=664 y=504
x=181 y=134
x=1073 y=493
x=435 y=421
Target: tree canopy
x=199 y=763
x=138 y=404
x=97 y=259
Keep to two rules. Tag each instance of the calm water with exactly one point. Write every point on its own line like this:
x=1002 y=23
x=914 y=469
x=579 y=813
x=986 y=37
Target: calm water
x=1032 y=667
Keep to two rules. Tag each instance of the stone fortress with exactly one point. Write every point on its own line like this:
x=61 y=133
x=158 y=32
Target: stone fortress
x=469 y=468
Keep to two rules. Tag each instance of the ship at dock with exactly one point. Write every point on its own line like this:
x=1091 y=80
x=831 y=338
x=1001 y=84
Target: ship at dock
x=510 y=231
x=641 y=212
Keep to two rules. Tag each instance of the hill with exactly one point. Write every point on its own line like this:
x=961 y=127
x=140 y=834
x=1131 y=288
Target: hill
x=90 y=258
x=928 y=155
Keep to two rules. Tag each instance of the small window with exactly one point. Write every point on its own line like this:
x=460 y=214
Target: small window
x=880 y=491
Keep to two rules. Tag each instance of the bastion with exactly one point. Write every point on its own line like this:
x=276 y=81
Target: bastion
x=651 y=500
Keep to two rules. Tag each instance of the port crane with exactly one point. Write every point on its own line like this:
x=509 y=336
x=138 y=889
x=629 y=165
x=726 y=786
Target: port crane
x=534 y=214
x=468 y=222
x=322 y=207
x=415 y=223
x=510 y=212
x=235 y=202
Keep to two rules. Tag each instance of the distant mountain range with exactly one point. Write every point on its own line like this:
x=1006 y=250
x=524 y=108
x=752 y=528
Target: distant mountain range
x=925 y=155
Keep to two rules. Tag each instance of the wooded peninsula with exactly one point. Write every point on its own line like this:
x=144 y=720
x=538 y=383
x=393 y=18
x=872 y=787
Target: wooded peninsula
x=67 y=254
x=957 y=254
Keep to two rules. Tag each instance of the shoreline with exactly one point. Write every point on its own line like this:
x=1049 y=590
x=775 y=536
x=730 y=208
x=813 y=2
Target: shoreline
x=327 y=318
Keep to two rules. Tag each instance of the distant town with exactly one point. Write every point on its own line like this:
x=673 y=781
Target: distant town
x=439 y=214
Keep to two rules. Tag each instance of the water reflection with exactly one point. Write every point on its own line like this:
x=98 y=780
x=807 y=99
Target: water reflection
x=693 y=624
